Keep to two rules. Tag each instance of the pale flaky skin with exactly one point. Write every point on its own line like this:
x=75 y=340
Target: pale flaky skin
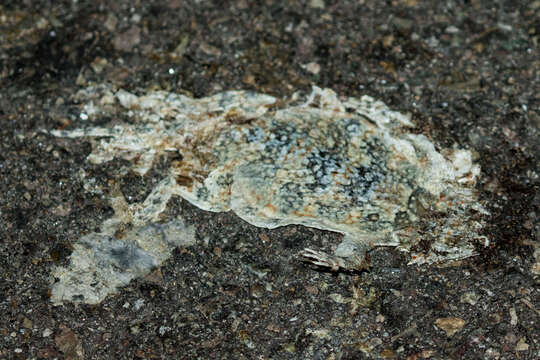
x=346 y=165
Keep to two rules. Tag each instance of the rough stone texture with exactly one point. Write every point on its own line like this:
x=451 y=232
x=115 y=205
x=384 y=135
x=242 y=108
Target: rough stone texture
x=467 y=71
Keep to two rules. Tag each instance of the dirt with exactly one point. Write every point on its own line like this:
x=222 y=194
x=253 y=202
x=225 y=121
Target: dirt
x=468 y=71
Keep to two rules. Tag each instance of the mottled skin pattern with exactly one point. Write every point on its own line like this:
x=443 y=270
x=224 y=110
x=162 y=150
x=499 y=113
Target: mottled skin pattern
x=344 y=165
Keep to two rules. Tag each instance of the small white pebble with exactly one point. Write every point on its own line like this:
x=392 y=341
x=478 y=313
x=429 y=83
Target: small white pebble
x=513 y=317
x=139 y=304
x=451 y=30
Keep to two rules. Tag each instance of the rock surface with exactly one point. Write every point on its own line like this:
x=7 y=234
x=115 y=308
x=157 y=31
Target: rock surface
x=466 y=71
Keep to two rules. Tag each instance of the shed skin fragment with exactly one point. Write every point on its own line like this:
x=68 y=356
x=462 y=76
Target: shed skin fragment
x=345 y=165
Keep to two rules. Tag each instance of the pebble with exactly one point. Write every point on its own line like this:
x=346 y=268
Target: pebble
x=138 y=304
x=451 y=30
x=127 y=40
x=513 y=317
x=522 y=345
x=313 y=68
x=27 y=323
x=450 y=325
x=470 y=298
x=317 y=4
x=68 y=343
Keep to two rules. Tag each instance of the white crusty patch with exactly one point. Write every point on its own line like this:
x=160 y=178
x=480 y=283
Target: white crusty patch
x=341 y=164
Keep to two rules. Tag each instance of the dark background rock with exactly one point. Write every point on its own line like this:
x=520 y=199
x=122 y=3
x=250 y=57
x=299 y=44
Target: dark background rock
x=469 y=71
